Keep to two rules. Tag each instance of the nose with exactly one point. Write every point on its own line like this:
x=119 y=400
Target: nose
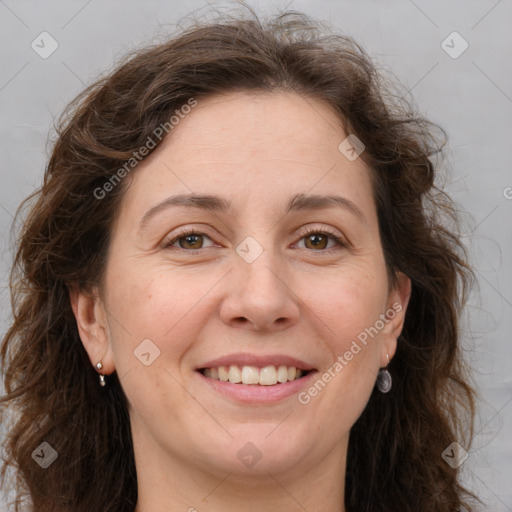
x=259 y=296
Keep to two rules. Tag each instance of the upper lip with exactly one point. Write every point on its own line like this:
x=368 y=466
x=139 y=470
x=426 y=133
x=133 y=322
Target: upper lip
x=244 y=359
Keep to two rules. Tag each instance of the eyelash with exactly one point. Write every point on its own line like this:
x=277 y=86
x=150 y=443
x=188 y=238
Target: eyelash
x=330 y=234
x=309 y=231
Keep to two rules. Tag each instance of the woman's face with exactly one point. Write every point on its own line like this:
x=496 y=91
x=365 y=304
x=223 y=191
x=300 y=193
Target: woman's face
x=247 y=246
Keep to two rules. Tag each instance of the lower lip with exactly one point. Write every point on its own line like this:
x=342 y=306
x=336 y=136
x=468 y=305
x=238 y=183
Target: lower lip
x=255 y=393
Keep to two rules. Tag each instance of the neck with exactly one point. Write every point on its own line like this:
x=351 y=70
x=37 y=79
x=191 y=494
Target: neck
x=166 y=483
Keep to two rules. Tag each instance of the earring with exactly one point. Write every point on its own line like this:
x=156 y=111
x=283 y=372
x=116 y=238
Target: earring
x=99 y=365
x=384 y=380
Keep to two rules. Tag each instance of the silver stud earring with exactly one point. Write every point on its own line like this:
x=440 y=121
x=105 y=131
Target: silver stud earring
x=99 y=365
x=384 y=380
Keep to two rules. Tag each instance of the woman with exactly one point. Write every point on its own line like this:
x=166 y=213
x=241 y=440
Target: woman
x=234 y=289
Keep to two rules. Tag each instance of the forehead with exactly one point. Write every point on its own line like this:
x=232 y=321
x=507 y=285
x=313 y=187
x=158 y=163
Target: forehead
x=258 y=122
x=252 y=146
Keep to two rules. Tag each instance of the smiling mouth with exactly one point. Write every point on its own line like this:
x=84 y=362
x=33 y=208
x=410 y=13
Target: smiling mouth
x=265 y=376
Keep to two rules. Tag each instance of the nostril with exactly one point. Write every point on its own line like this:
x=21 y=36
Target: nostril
x=240 y=320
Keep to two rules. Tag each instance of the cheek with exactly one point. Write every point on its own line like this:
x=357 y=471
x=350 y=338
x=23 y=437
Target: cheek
x=347 y=302
x=168 y=307
x=346 y=307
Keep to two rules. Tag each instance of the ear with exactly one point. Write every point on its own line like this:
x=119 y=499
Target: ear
x=91 y=320
x=396 y=308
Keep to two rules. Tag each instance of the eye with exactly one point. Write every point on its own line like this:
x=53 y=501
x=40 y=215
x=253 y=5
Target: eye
x=314 y=238
x=318 y=239
x=188 y=240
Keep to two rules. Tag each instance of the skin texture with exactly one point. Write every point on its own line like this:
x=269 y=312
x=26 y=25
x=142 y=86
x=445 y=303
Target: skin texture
x=257 y=151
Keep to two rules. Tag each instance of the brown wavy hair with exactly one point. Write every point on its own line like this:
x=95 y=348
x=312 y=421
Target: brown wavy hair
x=394 y=454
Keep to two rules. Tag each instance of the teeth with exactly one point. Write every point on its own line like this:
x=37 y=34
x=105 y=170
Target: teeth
x=250 y=375
x=267 y=376
x=282 y=374
x=235 y=375
x=223 y=373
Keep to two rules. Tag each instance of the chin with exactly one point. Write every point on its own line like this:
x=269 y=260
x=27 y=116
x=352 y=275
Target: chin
x=259 y=449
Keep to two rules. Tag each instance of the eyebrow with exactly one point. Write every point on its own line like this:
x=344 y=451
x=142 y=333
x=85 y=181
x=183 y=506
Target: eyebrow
x=219 y=204
x=317 y=202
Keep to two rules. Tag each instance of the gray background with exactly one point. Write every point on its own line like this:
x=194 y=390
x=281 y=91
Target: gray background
x=470 y=96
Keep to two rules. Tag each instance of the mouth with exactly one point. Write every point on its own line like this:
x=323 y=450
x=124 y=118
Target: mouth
x=269 y=375
x=255 y=379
